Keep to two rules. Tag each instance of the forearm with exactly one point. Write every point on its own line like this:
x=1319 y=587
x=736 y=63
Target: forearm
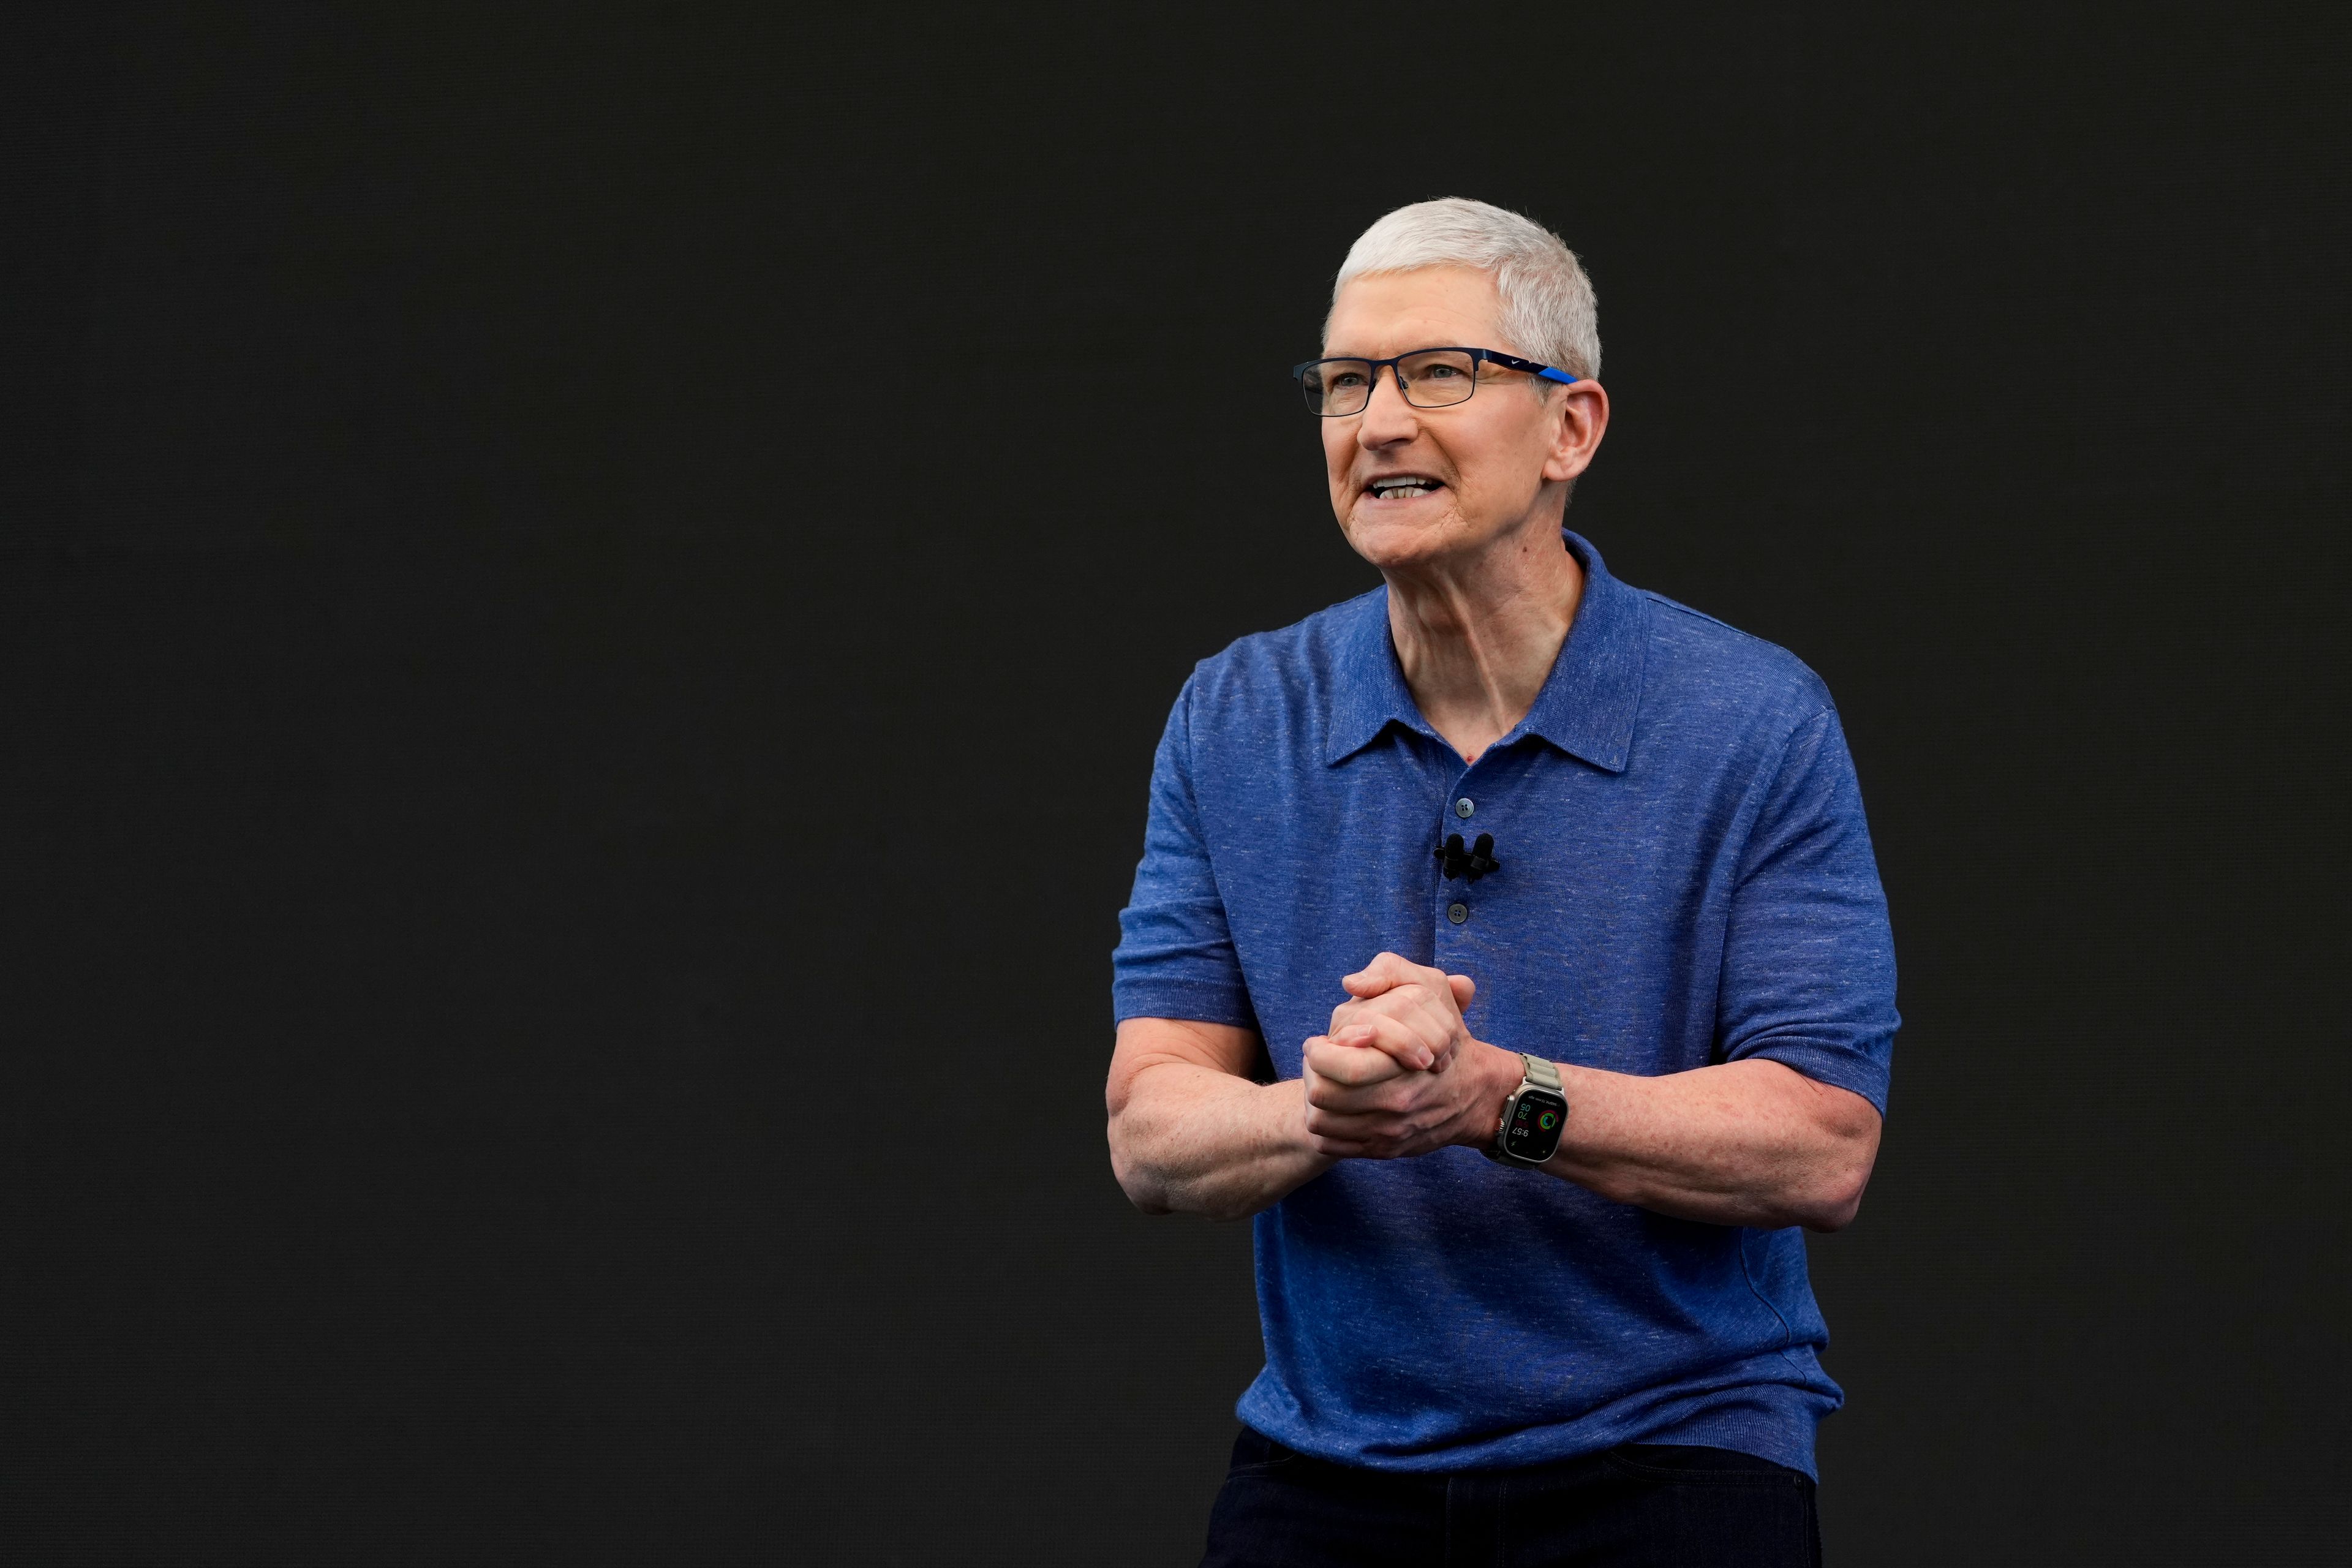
x=1192 y=1140
x=1748 y=1143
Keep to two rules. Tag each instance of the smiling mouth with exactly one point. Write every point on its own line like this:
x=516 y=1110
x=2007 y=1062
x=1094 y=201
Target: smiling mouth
x=1404 y=486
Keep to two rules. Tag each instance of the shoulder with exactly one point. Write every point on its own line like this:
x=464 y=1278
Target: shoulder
x=1290 y=668
x=1704 y=670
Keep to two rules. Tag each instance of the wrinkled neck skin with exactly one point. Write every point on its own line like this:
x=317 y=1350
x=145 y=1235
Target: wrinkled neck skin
x=1476 y=632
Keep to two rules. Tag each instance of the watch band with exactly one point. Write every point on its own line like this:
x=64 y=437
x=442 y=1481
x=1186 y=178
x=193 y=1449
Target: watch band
x=1541 y=1073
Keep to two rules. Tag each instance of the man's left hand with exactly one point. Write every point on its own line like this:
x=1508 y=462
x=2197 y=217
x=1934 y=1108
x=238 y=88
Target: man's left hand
x=1361 y=1104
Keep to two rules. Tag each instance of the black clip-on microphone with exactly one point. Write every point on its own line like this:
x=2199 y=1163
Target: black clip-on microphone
x=1479 y=860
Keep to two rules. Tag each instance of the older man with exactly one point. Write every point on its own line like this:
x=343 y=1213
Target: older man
x=1586 y=875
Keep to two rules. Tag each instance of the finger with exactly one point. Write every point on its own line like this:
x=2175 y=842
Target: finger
x=1385 y=971
x=1338 y=1148
x=1349 y=1064
x=1361 y=1079
x=1361 y=1137
x=1421 y=991
x=1409 y=1041
x=1389 y=1098
x=1355 y=1063
x=1434 y=1013
x=1356 y=1126
x=1427 y=1018
x=1396 y=1003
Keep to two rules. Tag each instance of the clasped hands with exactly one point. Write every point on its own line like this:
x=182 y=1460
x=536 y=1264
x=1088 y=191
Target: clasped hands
x=1398 y=1073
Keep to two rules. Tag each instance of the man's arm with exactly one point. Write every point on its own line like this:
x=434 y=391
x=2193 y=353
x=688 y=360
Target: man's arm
x=1748 y=1143
x=1191 y=1134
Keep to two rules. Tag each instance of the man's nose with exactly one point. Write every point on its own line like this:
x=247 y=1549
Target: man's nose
x=1388 y=418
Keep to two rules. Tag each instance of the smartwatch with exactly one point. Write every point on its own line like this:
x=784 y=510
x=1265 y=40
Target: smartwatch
x=1532 y=1118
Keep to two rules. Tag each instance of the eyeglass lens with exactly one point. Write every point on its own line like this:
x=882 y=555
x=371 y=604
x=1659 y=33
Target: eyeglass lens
x=1428 y=380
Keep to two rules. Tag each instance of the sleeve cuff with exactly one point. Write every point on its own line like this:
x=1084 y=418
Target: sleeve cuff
x=1200 y=1001
x=1823 y=1063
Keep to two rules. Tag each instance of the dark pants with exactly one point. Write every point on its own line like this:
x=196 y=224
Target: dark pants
x=1638 y=1505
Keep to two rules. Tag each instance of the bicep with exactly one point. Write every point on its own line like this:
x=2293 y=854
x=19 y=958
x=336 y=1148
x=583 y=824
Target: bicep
x=1146 y=1043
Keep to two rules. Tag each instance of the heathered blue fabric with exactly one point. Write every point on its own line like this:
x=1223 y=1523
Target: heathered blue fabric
x=1686 y=879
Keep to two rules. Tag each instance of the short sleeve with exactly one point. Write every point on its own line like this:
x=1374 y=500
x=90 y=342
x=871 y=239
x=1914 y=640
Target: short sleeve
x=1809 y=959
x=1175 y=955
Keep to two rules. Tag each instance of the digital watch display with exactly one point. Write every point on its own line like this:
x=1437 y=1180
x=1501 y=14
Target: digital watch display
x=1533 y=1117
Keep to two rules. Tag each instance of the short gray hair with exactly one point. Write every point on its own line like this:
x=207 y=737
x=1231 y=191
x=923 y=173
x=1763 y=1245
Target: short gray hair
x=1549 y=310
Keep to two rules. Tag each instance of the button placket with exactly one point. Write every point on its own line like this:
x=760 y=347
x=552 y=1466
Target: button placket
x=1459 y=808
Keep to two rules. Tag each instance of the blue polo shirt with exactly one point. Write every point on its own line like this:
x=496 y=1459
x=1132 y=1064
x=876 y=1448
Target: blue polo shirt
x=1686 y=879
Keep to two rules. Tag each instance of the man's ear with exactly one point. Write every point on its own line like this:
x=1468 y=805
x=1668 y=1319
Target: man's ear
x=1582 y=418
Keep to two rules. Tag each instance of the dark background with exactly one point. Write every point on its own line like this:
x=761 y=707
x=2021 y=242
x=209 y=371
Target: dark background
x=585 y=611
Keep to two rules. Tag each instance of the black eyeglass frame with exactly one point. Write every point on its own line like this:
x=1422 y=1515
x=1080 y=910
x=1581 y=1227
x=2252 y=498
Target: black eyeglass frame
x=1404 y=388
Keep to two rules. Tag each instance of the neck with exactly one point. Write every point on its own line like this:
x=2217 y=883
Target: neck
x=1477 y=635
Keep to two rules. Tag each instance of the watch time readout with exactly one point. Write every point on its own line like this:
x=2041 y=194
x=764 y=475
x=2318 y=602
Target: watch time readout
x=1534 y=1129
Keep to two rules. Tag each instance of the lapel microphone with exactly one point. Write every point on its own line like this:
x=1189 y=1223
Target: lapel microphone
x=1475 y=863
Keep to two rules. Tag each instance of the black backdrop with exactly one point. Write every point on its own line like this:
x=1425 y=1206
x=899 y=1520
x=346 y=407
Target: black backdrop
x=583 y=618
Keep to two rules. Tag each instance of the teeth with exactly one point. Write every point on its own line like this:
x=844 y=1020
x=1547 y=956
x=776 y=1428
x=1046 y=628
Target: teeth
x=1391 y=489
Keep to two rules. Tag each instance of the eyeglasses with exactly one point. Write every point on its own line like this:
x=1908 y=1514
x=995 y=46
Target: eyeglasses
x=1429 y=378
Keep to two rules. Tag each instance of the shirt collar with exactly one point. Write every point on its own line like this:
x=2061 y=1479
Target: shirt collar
x=1586 y=704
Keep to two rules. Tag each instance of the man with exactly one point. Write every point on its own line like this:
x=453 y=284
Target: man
x=1587 y=876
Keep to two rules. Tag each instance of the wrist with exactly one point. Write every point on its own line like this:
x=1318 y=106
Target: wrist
x=1293 y=1096
x=1498 y=1074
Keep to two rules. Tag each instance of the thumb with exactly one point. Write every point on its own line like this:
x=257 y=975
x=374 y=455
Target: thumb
x=1464 y=988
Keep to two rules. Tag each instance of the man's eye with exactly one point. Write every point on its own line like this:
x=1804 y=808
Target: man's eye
x=1440 y=372
x=1340 y=378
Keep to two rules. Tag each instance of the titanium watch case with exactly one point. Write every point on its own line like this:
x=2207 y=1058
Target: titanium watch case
x=1521 y=1137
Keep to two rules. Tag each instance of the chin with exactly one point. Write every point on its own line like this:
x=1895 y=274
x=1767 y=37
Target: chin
x=1387 y=541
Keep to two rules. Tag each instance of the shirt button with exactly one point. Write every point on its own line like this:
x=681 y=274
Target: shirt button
x=1457 y=913
x=1463 y=808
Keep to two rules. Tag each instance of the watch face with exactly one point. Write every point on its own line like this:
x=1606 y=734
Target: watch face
x=1533 y=1132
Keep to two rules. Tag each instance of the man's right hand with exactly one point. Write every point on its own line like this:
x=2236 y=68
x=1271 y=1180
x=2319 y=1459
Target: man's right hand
x=1404 y=1024
x=1409 y=1010
x=1190 y=1130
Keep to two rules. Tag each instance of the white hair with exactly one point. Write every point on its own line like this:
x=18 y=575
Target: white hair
x=1549 y=312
